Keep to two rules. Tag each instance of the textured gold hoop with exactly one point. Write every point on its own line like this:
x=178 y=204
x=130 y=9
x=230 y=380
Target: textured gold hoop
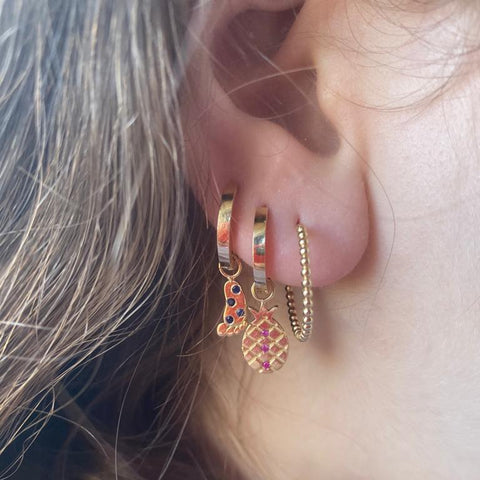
x=303 y=330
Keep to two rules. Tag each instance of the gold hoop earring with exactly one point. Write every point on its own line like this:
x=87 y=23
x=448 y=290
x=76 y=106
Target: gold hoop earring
x=230 y=266
x=265 y=343
x=303 y=330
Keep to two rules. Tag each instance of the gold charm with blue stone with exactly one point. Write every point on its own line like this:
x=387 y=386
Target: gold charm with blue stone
x=234 y=314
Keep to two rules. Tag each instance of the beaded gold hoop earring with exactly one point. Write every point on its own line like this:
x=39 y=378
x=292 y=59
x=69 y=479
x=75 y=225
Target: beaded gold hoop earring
x=265 y=343
x=230 y=266
x=303 y=330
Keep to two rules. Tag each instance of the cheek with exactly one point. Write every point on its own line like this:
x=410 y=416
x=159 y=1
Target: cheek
x=402 y=84
x=422 y=161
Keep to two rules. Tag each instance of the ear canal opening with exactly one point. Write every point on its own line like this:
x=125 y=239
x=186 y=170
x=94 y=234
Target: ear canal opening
x=247 y=67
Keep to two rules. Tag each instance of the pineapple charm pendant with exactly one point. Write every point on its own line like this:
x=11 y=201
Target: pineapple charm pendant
x=265 y=343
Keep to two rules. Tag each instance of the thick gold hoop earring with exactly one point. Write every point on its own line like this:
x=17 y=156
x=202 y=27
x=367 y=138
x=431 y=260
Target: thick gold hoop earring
x=265 y=343
x=302 y=330
x=230 y=266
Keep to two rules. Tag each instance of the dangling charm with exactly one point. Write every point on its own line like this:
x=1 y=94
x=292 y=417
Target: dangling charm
x=234 y=314
x=229 y=265
x=265 y=343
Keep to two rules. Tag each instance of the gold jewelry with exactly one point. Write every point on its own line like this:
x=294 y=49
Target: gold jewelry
x=265 y=343
x=230 y=266
x=302 y=331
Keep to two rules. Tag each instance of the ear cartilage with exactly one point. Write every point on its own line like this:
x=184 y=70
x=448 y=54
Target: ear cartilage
x=303 y=330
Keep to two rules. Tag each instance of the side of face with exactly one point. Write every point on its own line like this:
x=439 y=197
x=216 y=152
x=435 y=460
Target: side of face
x=380 y=161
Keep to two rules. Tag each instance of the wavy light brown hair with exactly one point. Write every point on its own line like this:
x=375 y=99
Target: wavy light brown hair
x=101 y=276
x=106 y=258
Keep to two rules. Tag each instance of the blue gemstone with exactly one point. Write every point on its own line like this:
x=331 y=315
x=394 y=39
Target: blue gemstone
x=240 y=312
x=229 y=319
x=236 y=289
x=231 y=301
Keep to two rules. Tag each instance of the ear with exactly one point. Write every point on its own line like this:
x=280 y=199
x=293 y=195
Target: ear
x=255 y=116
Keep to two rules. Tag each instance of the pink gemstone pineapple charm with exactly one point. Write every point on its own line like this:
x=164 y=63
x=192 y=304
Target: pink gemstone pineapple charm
x=265 y=343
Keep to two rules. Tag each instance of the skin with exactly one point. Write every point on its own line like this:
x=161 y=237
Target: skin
x=388 y=386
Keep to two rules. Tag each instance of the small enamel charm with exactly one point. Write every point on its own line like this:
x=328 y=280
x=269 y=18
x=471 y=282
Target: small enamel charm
x=265 y=343
x=234 y=314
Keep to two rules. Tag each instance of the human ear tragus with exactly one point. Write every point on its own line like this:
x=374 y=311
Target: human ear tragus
x=255 y=116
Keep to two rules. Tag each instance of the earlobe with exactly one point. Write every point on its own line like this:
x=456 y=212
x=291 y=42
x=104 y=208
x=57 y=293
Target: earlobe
x=319 y=182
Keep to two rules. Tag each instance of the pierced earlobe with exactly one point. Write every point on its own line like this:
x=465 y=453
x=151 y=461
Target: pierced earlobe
x=291 y=156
